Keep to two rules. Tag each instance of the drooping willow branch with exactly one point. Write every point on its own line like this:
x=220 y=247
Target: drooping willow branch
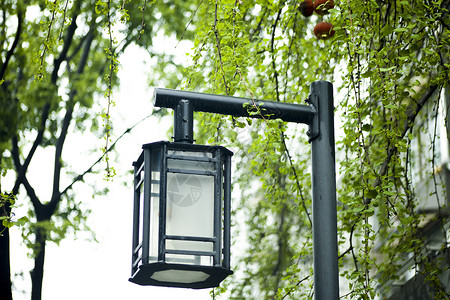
x=47 y=39
x=112 y=69
x=219 y=52
x=411 y=116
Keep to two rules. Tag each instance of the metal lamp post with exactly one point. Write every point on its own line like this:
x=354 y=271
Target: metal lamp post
x=318 y=115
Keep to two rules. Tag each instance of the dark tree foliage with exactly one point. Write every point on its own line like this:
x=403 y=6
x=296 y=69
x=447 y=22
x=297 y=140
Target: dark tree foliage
x=56 y=58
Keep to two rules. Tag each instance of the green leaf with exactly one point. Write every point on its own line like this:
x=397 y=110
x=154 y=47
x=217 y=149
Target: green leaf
x=371 y=194
x=7 y=223
x=387 y=69
x=387 y=30
x=22 y=221
x=366 y=127
x=367 y=74
x=239 y=124
x=401 y=29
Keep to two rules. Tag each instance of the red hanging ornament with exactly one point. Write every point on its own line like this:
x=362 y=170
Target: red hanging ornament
x=324 y=30
x=306 y=8
x=322 y=7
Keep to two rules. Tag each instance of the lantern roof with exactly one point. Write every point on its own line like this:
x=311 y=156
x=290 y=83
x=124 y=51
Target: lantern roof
x=187 y=146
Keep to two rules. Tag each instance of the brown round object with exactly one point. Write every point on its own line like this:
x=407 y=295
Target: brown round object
x=324 y=30
x=321 y=7
x=306 y=8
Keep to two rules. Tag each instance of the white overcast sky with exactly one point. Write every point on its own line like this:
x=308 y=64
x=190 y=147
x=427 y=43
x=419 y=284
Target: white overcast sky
x=79 y=269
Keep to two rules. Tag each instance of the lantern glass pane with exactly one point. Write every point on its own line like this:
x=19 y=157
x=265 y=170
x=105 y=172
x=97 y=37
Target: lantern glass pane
x=190 y=201
x=154 y=204
x=190 y=205
x=198 y=260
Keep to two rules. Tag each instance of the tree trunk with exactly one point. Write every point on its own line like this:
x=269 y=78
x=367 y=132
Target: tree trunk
x=5 y=269
x=37 y=274
x=5 y=263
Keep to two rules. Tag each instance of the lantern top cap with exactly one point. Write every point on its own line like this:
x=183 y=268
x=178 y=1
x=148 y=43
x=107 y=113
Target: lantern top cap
x=189 y=147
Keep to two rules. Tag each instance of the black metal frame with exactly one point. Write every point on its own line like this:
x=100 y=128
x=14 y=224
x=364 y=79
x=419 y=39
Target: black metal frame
x=142 y=267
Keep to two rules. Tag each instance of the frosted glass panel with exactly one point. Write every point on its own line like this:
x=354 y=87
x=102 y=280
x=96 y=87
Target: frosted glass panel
x=190 y=259
x=180 y=276
x=190 y=205
x=189 y=245
x=190 y=164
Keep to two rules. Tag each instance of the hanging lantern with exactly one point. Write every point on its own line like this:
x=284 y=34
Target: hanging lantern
x=181 y=218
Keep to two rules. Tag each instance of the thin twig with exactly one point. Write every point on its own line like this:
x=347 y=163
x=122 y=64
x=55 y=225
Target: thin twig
x=111 y=72
x=299 y=188
x=143 y=19
x=298 y=283
x=189 y=23
x=216 y=33
x=251 y=95
x=47 y=38
x=89 y=170
x=63 y=20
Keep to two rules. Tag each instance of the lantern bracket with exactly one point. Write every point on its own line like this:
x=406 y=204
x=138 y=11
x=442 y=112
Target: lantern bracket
x=314 y=128
x=183 y=122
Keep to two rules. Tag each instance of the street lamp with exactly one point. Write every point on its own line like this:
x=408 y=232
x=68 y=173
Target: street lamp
x=178 y=176
x=181 y=226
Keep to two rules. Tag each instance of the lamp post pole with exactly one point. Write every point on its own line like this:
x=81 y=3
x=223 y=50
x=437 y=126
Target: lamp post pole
x=319 y=115
x=326 y=283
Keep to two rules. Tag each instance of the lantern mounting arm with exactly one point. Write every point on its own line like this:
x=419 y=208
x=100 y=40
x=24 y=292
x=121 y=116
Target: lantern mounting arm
x=235 y=106
x=319 y=116
x=184 y=103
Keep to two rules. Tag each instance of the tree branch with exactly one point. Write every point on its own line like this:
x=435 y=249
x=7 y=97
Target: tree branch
x=89 y=36
x=64 y=19
x=14 y=44
x=23 y=168
x=30 y=191
x=56 y=195
x=89 y=170
x=272 y=50
x=67 y=43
